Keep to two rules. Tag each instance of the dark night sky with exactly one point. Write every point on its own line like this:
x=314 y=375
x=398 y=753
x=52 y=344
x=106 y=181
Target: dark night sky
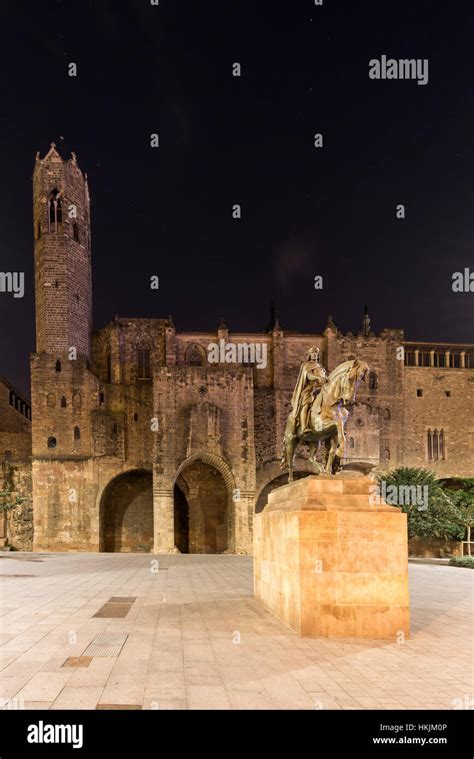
x=248 y=140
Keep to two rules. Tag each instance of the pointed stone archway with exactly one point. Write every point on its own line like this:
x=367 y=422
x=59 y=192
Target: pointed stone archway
x=203 y=505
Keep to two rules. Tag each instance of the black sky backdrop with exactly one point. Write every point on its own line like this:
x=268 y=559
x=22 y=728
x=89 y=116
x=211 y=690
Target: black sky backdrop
x=224 y=140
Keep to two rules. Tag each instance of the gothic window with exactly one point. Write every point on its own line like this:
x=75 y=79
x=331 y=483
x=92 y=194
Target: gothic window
x=52 y=442
x=441 y=444
x=195 y=356
x=63 y=402
x=372 y=381
x=55 y=210
x=75 y=231
x=386 y=414
x=143 y=364
x=77 y=433
x=436 y=445
x=58 y=365
x=108 y=368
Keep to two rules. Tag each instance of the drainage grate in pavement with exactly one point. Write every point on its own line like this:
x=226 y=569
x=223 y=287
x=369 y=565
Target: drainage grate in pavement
x=106 y=644
x=102 y=707
x=77 y=661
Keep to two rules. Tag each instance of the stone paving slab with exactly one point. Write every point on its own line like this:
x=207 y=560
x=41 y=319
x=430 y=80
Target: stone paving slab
x=197 y=639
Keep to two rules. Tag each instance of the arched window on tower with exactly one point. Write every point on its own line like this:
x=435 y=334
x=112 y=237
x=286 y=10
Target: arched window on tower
x=372 y=380
x=75 y=231
x=55 y=210
x=58 y=365
x=63 y=402
x=77 y=433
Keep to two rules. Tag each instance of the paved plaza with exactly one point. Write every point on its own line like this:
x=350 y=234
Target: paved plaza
x=185 y=632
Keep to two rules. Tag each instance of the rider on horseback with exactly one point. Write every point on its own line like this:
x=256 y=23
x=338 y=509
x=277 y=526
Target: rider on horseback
x=311 y=378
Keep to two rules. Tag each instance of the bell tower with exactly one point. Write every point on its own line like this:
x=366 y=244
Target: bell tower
x=62 y=240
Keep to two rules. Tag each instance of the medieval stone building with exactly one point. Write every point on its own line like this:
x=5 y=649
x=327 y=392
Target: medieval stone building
x=140 y=443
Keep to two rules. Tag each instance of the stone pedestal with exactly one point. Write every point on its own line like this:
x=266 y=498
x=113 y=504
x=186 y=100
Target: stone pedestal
x=329 y=563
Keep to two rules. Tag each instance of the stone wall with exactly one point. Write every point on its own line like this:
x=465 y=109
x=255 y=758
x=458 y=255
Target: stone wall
x=19 y=521
x=434 y=409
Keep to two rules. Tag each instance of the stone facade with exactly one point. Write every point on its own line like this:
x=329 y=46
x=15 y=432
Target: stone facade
x=139 y=443
x=16 y=528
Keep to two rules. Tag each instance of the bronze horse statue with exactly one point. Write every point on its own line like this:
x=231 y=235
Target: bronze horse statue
x=327 y=418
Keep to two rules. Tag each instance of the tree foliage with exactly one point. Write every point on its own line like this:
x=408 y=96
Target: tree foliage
x=445 y=515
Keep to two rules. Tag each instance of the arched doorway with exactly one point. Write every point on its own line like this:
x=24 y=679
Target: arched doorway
x=200 y=509
x=277 y=482
x=126 y=513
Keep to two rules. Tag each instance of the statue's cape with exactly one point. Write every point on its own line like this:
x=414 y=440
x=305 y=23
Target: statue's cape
x=298 y=389
x=300 y=383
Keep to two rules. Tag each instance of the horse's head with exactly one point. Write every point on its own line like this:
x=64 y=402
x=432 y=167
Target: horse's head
x=351 y=380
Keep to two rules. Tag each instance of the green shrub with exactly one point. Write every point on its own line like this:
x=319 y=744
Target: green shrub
x=462 y=561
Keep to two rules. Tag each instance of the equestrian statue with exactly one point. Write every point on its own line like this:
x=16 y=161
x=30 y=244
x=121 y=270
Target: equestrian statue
x=319 y=410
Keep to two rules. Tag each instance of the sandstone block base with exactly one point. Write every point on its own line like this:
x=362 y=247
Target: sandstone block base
x=328 y=563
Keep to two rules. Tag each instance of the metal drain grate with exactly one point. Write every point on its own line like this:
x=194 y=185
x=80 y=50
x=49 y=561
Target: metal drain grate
x=106 y=644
